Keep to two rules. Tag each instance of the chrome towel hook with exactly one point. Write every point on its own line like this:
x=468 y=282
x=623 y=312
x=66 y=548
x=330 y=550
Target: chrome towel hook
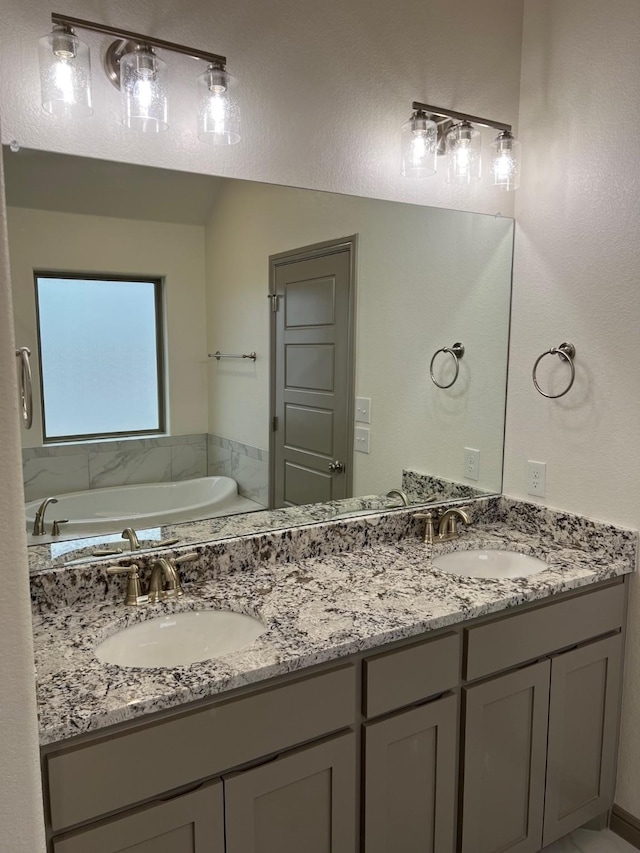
x=456 y=352
x=565 y=351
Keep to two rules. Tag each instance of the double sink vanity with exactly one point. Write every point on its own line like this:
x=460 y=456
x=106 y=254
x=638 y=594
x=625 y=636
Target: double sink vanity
x=391 y=693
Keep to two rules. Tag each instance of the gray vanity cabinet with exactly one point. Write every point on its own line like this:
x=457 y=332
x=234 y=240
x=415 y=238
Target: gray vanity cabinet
x=192 y=823
x=505 y=736
x=304 y=801
x=410 y=780
x=583 y=715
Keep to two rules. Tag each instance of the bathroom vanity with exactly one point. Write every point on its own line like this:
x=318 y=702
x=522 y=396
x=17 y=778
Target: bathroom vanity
x=388 y=705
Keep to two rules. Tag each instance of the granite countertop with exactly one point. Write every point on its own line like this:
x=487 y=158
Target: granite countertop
x=316 y=609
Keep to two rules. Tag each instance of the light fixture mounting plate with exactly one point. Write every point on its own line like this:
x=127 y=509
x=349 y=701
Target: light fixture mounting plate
x=114 y=53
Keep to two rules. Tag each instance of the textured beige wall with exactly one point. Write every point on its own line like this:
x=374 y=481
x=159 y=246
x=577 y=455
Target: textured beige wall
x=425 y=278
x=325 y=86
x=21 y=827
x=576 y=276
x=40 y=239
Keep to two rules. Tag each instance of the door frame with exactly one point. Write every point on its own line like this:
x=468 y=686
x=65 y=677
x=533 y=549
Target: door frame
x=316 y=250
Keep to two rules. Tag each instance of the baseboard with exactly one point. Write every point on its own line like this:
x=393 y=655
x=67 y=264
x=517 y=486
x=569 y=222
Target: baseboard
x=626 y=826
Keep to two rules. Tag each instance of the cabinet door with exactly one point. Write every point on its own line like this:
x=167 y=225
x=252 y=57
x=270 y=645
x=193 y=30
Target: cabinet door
x=410 y=782
x=583 y=722
x=504 y=762
x=192 y=823
x=304 y=802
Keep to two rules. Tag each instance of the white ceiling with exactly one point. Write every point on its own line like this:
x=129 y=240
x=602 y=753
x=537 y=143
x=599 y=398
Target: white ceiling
x=47 y=181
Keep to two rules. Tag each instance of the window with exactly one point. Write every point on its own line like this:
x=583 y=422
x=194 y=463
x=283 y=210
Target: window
x=101 y=362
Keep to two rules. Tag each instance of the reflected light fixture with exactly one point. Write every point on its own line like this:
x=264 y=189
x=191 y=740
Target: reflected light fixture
x=132 y=65
x=454 y=135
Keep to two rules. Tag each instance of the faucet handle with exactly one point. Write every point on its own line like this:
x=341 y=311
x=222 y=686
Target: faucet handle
x=134 y=596
x=429 y=527
x=55 y=527
x=191 y=557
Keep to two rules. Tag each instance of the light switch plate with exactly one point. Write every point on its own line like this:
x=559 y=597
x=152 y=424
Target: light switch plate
x=363 y=410
x=363 y=435
x=471 y=464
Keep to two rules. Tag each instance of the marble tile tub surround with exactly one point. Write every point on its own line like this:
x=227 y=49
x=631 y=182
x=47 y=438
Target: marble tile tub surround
x=247 y=465
x=420 y=487
x=323 y=592
x=60 y=468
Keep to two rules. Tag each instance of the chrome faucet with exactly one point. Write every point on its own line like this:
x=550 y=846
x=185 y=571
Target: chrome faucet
x=163 y=583
x=38 y=521
x=130 y=534
x=448 y=524
x=399 y=493
x=164 y=568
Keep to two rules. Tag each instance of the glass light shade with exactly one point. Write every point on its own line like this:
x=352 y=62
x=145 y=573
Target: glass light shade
x=464 y=150
x=143 y=90
x=505 y=162
x=419 y=138
x=65 y=74
x=218 y=107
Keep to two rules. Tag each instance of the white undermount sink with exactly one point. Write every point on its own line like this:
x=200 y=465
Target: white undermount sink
x=482 y=563
x=180 y=638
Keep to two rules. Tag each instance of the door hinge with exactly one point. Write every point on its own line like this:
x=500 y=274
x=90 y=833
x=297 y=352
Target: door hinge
x=275 y=302
x=275 y=423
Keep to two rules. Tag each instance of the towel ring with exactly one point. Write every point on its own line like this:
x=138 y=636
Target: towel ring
x=456 y=352
x=568 y=353
x=26 y=386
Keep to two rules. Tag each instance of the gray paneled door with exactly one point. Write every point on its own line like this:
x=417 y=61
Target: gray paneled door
x=192 y=823
x=505 y=736
x=585 y=687
x=312 y=292
x=304 y=802
x=410 y=782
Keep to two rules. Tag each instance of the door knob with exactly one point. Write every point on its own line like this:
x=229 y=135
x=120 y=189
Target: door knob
x=336 y=466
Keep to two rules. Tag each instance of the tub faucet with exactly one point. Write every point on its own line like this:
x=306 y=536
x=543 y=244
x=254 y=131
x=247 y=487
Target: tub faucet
x=130 y=534
x=38 y=521
x=400 y=494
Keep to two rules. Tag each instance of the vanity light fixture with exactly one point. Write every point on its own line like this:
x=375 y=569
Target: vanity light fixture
x=132 y=65
x=65 y=73
x=434 y=129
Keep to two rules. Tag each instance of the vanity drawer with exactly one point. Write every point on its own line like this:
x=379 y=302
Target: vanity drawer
x=397 y=678
x=512 y=640
x=114 y=772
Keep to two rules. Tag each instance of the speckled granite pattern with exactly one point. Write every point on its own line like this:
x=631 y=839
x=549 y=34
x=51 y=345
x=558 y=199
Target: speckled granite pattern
x=224 y=527
x=422 y=487
x=317 y=606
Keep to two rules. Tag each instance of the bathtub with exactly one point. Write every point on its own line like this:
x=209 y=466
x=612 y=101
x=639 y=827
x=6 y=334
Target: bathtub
x=146 y=505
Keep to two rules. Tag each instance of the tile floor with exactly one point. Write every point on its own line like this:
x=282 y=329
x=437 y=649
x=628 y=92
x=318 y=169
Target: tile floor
x=586 y=841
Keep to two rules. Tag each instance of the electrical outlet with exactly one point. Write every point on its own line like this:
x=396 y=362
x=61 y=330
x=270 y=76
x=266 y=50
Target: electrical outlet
x=471 y=465
x=363 y=410
x=362 y=439
x=537 y=478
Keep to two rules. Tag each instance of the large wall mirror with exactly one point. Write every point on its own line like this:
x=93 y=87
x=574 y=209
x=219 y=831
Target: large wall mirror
x=373 y=297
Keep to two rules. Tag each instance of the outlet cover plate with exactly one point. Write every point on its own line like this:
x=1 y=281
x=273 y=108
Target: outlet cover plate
x=536 y=478
x=471 y=464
